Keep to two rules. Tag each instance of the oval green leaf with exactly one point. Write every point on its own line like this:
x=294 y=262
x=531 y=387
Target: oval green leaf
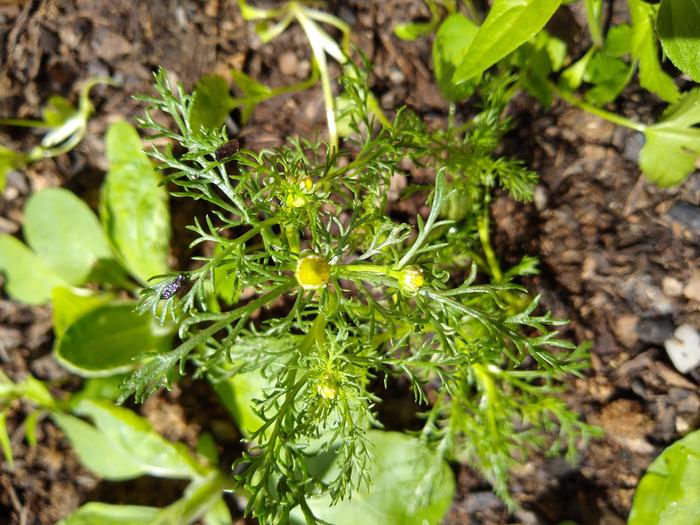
x=672 y=145
x=237 y=393
x=27 y=278
x=509 y=24
x=669 y=493
x=108 y=339
x=119 y=444
x=95 y=513
x=452 y=40
x=135 y=205
x=678 y=25
x=645 y=49
x=212 y=104
x=69 y=304
x=65 y=233
x=95 y=451
x=411 y=485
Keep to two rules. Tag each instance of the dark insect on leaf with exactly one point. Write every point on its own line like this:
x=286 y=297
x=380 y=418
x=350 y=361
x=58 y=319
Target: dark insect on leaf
x=172 y=287
x=226 y=151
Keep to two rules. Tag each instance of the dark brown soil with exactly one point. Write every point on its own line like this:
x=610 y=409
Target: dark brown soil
x=616 y=252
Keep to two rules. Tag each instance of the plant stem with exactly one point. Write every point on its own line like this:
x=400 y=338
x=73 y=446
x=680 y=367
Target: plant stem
x=231 y=316
x=489 y=392
x=25 y=123
x=598 y=112
x=593 y=17
x=363 y=268
x=279 y=91
x=319 y=54
x=483 y=228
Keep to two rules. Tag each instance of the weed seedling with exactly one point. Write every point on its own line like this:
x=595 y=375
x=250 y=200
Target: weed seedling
x=339 y=293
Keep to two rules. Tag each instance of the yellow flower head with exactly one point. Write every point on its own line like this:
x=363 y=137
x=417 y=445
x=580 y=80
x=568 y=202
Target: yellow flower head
x=326 y=390
x=411 y=279
x=313 y=271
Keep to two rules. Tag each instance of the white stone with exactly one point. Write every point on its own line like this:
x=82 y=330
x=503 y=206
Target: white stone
x=692 y=289
x=671 y=286
x=684 y=348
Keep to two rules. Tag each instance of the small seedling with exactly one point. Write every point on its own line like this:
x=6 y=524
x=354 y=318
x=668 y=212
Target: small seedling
x=512 y=37
x=66 y=125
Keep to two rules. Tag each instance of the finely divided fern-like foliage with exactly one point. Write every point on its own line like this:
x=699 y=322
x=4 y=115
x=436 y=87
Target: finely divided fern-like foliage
x=303 y=233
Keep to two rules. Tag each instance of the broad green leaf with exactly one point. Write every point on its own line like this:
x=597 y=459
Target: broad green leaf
x=669 y=493
x=212 y=103
x=199 y=498
x=237 y=394
x=536 y=60
x=206 y=446
x=644 y=49
x=678 y=25
x=109 y=339
x=5 y=444
x=65 y=233
x=121 y=445
x=135 y=205
x=95 y=513
x=673 y=144
x=412 y=485
x=69 y=304
x=451 y=42
x=96 y=451
x=110 y=272
x=572 y=77
x=609 y=76
x=556 y=50
x=618 y=41
x=218 y=514
x=28 y=389
x=534 y=79
x=27 y=278
x=509 y=24
x=226 y=276
x=251 y=89
x=107 y=387
x=602 y=68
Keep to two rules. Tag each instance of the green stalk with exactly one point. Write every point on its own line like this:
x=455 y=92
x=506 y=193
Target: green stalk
x=231 y=316
x=598 y=112
x=483 y=228
x=593 y=17
x=489 y=390
x=363 y=268
x=319 y=53
x=24 y=123
x=279 y=91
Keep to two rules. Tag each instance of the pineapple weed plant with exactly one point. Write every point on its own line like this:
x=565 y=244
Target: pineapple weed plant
x=312 y=298
x=362 y=297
